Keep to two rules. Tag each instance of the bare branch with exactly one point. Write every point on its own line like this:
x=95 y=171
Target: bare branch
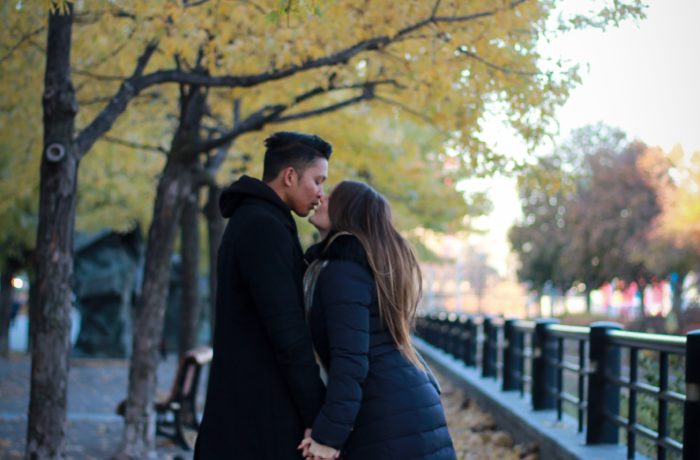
x=93 y=101
x=25 y=38
x=117 y=104
x=236 y=111
x=273 y=114
x=114 y=52
x=138 y=82
x=257 y=7
x=135 y=145
x=514 y=4
x=506 y=70
x=121 y=13
x=253 y=122
x=322 y=110
x=99 y=77
x=195 y=3
x=203 y=176
x=435 y=8
x=339 y=57
x=406 y=109
x=214 y=162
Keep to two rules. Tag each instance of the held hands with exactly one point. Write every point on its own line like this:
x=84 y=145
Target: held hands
x=311 y=450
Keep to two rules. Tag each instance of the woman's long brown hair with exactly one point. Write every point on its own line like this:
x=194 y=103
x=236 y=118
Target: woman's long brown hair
x=357 y=208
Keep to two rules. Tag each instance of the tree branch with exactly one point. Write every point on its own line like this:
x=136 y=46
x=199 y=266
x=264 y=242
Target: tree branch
x=203 y=176
x=322 y=110
x=491 y=65
x=24 y=38
x=253 y=122
x=339 y=57
x=113 y=53
x=194 y=3
x=260 y=118
x=135 y=145
x=117 y=104
x=138 y=82
x=405 y=108
x=435 y=8
x=96 y=100
x=99 y=77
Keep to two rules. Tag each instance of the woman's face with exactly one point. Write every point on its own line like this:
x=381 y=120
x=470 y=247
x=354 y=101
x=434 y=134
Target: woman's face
x=320 y=218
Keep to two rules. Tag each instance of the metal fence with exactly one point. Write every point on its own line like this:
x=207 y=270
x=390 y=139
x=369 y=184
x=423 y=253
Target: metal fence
x=594 y=373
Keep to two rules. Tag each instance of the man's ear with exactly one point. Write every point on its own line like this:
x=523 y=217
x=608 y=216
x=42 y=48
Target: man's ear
x=289 y=176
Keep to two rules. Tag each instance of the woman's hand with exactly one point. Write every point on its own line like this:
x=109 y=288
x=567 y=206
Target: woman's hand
x=311 y=450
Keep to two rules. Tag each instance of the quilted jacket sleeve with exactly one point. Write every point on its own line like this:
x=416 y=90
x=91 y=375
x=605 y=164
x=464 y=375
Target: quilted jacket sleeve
x=344 y=292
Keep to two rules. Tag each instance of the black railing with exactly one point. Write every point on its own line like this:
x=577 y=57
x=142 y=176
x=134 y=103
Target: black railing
x=565 y=368
x=583 y=371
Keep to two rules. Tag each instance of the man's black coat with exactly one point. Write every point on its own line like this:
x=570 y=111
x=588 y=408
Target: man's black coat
x=264 y=386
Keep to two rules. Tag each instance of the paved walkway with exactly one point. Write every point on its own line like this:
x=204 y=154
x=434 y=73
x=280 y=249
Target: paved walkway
x=96 y=386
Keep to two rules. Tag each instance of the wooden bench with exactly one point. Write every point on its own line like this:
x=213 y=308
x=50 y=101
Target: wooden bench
x=176 y=416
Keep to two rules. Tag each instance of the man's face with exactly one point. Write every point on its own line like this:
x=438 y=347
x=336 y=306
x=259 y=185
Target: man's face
x=306 y=190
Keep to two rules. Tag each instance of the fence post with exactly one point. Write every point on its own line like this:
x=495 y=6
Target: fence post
x=691 y=414
x=509 y=358
x=470 y=345
x=463 y=336
x=448 y=334
x=442 y=331
x=487 y=353
x=455 y=335
x=418 y=328
x=544 y=375
x=604 y=361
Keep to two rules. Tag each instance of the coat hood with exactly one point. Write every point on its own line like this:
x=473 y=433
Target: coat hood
x=245 y=188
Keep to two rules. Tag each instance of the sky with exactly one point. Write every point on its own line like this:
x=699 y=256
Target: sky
x=643 y=77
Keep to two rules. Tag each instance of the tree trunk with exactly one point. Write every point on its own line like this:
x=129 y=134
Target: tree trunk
x=677 y=298
x=138 y=440
x=565 y=301
x=5 y=311
x=50 y=315
x=641 y=286
x=190 y=307
x=588 y=299
x=215 y=230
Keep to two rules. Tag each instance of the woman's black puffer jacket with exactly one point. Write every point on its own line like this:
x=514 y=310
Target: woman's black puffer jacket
x=378 y=405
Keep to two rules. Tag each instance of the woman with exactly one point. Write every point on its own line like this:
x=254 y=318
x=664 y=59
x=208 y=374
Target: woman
x=362 y=293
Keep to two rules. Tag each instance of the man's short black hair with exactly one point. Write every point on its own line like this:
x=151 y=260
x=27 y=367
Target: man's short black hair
x=297 y=150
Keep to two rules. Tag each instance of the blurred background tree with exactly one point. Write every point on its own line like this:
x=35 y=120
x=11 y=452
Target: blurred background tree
x=601 y=209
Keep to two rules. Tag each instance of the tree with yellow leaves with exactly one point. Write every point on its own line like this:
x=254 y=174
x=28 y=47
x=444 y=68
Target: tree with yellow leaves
x=439 y=62
x=680 y=218
x=674 y=248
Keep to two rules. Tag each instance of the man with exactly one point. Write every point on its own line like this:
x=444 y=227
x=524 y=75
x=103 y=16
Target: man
x=264 y=387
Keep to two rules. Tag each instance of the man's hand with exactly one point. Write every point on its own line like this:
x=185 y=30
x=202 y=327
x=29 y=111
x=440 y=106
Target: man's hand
x=320 y=452
x=311 y=450
x=305 y=443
